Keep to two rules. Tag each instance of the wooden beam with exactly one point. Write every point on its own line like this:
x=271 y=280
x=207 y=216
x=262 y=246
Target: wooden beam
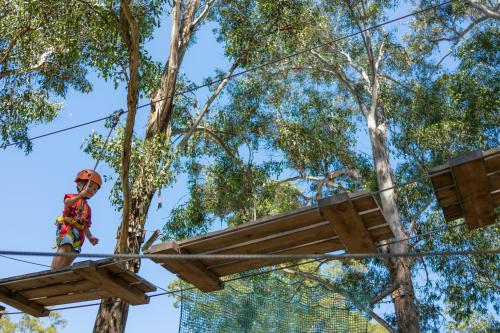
x=108 y=282
x=192 y=271
x=20 y=302
x=151 y=240
x=347 y=224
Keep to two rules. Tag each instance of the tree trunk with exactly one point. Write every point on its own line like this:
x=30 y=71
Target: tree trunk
x=404 y=298
x=113 y=312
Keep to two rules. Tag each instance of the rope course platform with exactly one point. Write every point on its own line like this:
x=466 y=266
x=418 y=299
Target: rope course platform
x=83 y=281
x=352 y=222
x=468 y=186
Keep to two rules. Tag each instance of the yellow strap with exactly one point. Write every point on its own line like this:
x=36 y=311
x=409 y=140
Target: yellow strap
x=71 y=221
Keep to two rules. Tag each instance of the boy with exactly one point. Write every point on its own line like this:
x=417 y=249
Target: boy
x=74 y=224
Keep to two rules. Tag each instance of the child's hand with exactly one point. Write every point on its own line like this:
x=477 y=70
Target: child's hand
x=93 y=240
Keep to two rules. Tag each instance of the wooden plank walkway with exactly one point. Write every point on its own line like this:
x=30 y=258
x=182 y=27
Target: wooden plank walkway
x=352 y=222
x=83 y=281
x=468 y=186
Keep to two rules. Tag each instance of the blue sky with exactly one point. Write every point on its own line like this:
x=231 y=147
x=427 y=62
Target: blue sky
x=34 y=184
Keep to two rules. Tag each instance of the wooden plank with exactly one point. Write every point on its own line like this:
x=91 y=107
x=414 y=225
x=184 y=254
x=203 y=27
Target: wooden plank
x=259 y=222
x=373 y=219
x=89 y=295
x=452 y=212
x=441 y=180
x=347 y=224
x=492 y=160
x=58 y=289
x=106 y=281
x=19 y=302
x=253 y=230
x=277 y=242
x=381 y=234
x=318 y=247
x=130 y=277
x=38 y=279
x=496 y=198
x=474 y=191
x=362 y=201
x=192 y=271
x=494 y=181
x=447 y=196
x=141 y=284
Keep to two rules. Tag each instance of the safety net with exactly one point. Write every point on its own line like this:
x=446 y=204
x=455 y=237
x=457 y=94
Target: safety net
x=270 y=303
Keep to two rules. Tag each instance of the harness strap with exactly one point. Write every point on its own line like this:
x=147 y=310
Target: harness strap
x=71 y=221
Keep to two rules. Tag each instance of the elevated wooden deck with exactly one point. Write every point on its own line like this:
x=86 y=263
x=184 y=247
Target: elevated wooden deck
x=352 y=222
x=83 y=281
x=468 y=186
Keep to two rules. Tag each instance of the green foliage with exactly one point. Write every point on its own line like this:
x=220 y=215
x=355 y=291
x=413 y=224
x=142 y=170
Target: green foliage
x=47 y=47
x=151 y=159
x=29 y=324
x=40 y=57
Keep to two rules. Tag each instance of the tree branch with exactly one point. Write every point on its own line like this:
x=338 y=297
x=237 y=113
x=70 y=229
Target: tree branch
x=13 y=43
x=491 y=12
x=212 y=133
x=415 y=217
x=208 y=6
x=357 y=68
x=209 y=102
x=41 y=62
x=402 y=85
x=384 y=294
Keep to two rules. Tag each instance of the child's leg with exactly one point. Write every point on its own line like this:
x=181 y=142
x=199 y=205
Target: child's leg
x=62 y=261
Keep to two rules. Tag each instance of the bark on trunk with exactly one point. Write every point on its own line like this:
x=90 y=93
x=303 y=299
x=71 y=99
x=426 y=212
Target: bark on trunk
x=112 y=314
x=407 y=313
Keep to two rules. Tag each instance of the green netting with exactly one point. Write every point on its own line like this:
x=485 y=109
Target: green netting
x=269 y=303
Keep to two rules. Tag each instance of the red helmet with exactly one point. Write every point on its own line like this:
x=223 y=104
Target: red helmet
x=88 y=174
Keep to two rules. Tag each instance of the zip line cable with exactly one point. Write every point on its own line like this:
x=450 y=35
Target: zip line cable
x=262 y=65
x=378 y=245
x=253 y=256
x=25 y=261
x=171 y=292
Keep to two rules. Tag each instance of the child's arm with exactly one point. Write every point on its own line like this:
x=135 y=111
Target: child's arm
x=93 y=240
x=70 y=201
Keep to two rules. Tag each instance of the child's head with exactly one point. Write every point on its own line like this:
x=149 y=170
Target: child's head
x=82 y=179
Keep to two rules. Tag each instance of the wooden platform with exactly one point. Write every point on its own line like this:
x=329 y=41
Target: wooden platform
x=352 y=222
x=83 y=281
x=468 y=186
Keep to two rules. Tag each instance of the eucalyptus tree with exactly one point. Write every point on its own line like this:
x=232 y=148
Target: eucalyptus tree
x=308 y=109
x=144 y=162
x=42 y=55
